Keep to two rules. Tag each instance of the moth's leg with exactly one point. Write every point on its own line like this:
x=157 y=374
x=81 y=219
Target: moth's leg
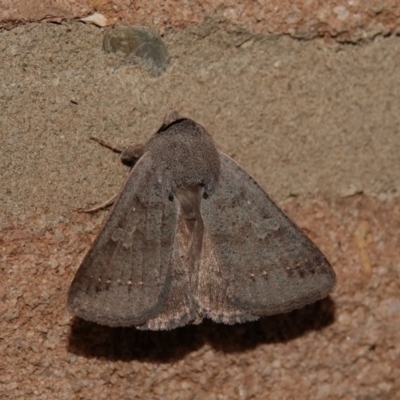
x=106 y=204
x=129 y=154
x=115 y=149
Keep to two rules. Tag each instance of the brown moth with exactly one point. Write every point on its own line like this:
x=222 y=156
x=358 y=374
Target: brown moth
x=192 y=235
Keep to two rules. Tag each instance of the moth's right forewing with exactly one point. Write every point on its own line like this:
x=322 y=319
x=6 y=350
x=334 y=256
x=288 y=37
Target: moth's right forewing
x=125 y=277
x=267 y=263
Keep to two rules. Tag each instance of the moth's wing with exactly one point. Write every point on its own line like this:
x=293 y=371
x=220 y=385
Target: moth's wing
x=125 y=277
x=266 y=263
x=180 y=306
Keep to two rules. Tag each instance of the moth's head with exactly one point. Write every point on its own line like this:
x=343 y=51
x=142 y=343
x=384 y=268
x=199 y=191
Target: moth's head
x=171 y=117
x=185 y=153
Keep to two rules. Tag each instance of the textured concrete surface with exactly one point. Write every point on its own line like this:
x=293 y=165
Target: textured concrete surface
x=316 y=125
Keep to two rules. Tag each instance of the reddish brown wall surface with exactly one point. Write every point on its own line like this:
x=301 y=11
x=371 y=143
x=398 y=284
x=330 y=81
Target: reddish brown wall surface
x=344 y=20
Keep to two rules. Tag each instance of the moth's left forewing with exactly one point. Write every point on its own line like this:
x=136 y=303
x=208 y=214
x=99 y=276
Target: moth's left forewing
x=180 y=307
x=126 y=275
x=267 y=264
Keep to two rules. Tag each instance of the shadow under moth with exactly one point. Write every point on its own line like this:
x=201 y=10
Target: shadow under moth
x=192 y=235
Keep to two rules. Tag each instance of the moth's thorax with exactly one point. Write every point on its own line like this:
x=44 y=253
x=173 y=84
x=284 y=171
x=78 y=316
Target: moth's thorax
x=185 y=155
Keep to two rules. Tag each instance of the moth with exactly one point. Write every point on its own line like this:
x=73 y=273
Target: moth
x=192 y=235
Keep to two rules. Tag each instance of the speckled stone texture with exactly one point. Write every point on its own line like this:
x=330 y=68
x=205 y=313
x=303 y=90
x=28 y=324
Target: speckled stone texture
x=316 y=123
